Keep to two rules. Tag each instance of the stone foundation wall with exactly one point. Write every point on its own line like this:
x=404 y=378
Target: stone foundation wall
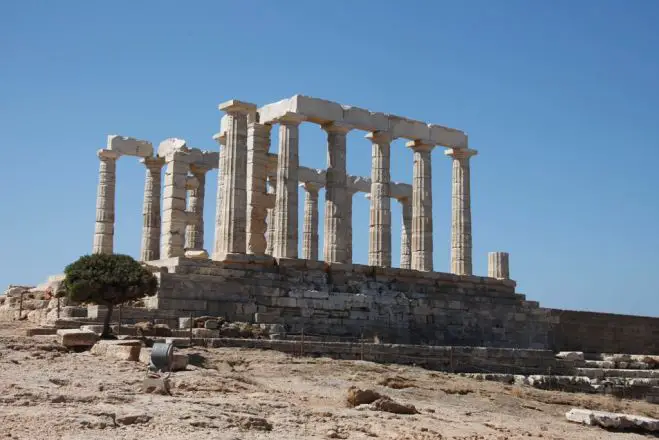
x=604 y=332
x=394 y=305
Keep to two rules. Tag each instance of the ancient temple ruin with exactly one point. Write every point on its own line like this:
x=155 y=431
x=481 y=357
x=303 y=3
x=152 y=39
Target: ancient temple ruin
x=253 y=272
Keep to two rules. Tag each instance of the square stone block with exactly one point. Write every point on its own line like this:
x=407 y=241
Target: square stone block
x=124 y=350
x=76 y=338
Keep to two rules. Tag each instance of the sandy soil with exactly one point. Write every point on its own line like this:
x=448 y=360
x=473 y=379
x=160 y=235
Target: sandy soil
x=47 y=392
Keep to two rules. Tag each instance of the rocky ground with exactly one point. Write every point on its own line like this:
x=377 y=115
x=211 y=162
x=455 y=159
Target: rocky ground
x=47 y=392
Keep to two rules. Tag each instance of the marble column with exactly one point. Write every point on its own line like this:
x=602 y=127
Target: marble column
x=422 y=249
x=258 y=143
x=379 y=246
x=461 y=238
x=350 y=193
x=286 y=200
x=231 y=219
x=151 y=209
x=498 y=265
x=406 y=233
x=270 y=232
x=194 y=233
x=104 y=228
x=335 y=240
x=310 y=231
x=174 y=215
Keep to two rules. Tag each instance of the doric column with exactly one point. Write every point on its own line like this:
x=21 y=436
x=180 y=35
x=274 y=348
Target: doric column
x=194 y=232
x=350 y=193
x=107 y=176
x=335 y=240
x=379 y=245
x=406 y=233
x=421 y=207
x=461 y=240
x=258 y=143
x=310 y=231
x=174 y=215
x=498 y=265
x=230 y=223
x=270 y=232
x=286 y=203
x=151 y=209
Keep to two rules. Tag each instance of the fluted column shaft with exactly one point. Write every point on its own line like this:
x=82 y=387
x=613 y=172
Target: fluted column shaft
x=174 y=215
x=107 y=179
x=151 y=209
x=194 y=233
x=310 y=231
x=270 y=232
x=258 y=143
x=350 y=193
x=286 y=201
x=406 y=234
x=461 y=238
x=230 y=224
x=335 y=240
x=379 y=248
x=498 y=265
x=422 y=228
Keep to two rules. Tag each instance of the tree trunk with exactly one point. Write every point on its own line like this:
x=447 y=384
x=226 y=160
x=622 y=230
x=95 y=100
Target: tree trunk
x=106 y=323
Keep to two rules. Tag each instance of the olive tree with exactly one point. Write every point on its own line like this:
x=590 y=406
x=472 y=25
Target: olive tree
x=108 y=280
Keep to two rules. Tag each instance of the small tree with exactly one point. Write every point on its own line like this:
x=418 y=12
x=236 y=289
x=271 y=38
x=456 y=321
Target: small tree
x=108 y=279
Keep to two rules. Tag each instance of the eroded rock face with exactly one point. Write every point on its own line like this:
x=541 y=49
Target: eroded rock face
x=610 y=420
x=357 y=396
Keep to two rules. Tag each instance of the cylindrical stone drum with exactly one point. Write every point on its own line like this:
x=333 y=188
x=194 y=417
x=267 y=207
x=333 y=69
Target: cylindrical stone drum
x=498 y=266
x=162 y=357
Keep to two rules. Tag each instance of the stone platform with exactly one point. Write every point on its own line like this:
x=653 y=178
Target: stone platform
x=350 y=300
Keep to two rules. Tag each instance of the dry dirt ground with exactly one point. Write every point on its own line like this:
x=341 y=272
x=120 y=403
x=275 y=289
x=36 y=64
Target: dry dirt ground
x=47 y=392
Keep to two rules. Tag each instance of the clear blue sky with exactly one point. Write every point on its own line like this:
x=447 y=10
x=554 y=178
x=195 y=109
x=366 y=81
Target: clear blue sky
x=561 y=99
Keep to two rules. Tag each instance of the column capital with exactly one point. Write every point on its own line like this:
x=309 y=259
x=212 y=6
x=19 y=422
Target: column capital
x=234 y=106
x=336 y=127
x=379 y=137
x=220 y=138
x=420 y=145
x=153 y=162
x=460 y=153
x=199 y=169
x=311 y=187
x=108 y=155
x=290 y=118
x=404 y=200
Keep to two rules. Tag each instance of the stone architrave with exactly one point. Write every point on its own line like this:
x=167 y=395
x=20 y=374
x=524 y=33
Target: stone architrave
x=286 y=201
x=498 y=265
x=406 y=233
x=230 y=224
x=174 y=215
x=422 y=227
x=270 y=221
x=335 y=240
x=104 y=228
x=310 y=231
x=379 y=248
x=151 y=209
x=461 y=238
x=258 y=143
x=194 y=233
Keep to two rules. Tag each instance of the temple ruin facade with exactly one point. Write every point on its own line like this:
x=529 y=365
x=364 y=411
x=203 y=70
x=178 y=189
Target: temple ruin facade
x=253 y=271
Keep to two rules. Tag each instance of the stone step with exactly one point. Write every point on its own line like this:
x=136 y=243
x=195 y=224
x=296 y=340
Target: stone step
x=616 y=372
x=633 y=365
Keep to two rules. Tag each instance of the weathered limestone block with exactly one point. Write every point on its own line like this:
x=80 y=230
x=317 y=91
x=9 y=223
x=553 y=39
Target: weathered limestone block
x=123 y=350
x=610 y=420
x=76 y=338
x=130 y=146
